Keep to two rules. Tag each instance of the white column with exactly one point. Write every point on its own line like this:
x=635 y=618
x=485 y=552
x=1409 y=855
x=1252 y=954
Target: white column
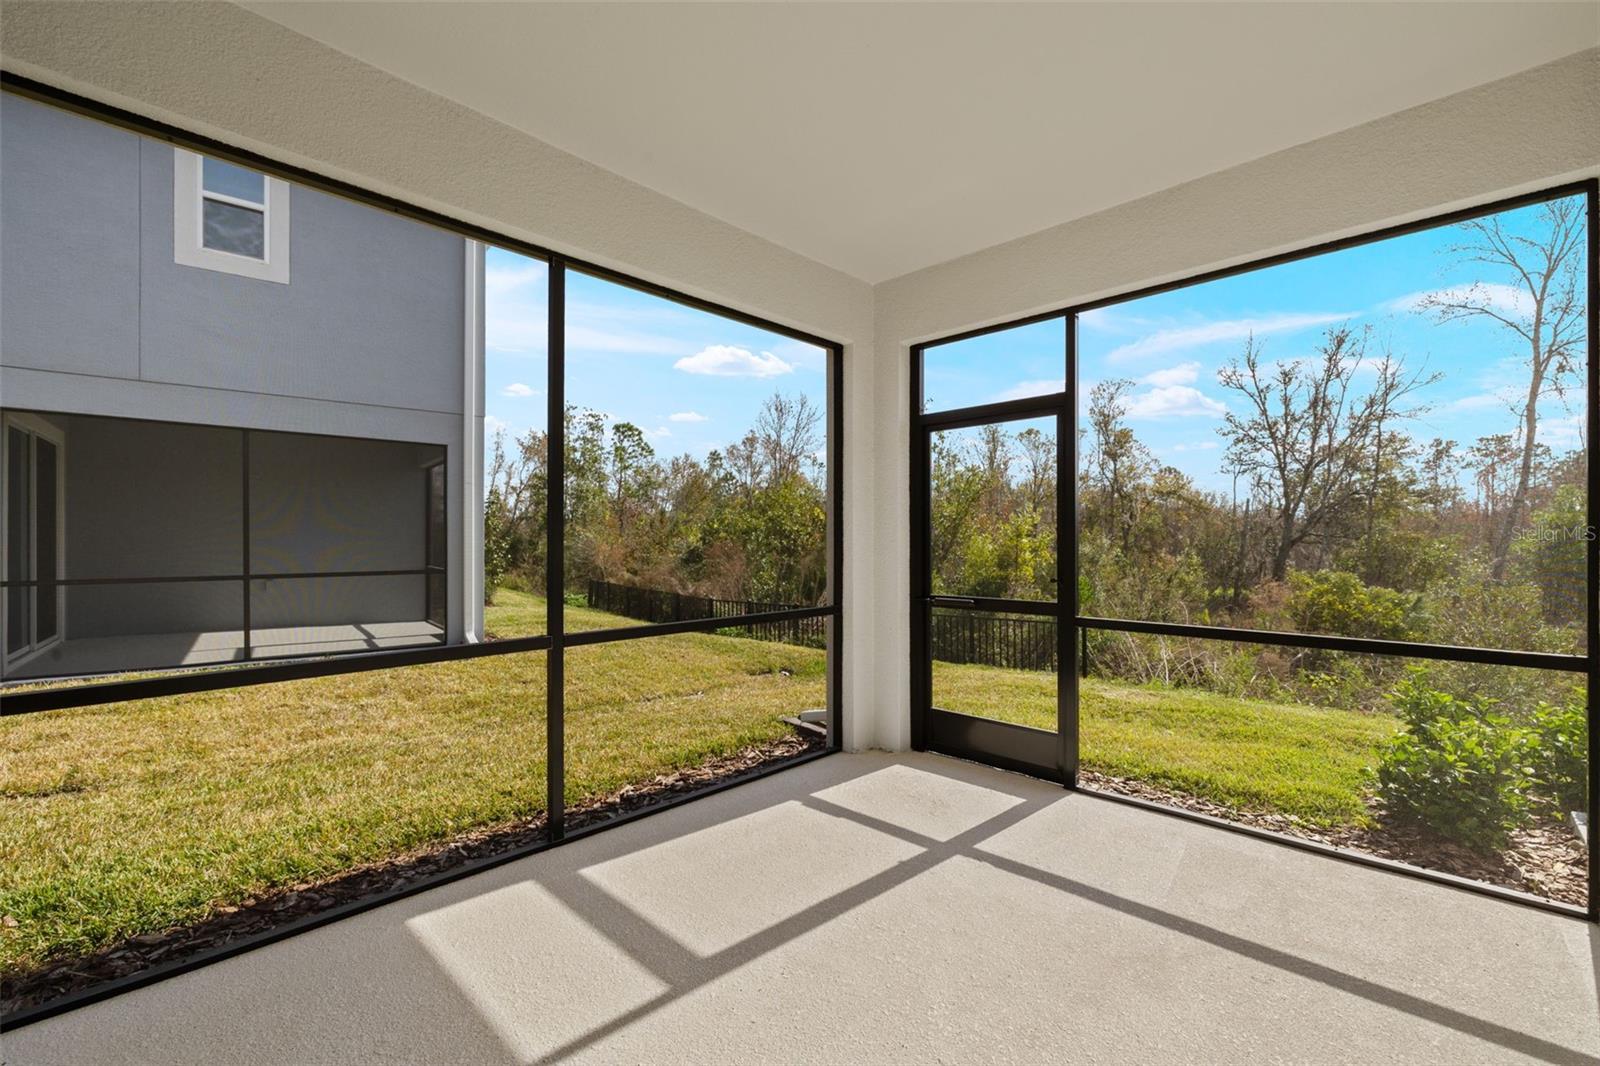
x=469 y=492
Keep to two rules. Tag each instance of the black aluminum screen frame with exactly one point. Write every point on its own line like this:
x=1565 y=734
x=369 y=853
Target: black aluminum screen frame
x=1055 y=756
x=555 y=641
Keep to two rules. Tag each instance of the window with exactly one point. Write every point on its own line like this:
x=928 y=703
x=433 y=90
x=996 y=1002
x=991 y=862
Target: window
x=229 y=218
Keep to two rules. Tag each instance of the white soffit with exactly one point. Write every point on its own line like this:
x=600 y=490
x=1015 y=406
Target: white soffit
x=882 y=138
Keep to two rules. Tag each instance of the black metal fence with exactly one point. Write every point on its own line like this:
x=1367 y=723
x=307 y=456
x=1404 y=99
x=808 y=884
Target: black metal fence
x=661 y=605
x=993 y=640
x=958 y=636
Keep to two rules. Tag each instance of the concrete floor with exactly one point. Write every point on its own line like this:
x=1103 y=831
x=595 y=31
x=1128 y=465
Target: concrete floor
x=876 y=908
x=98 y=655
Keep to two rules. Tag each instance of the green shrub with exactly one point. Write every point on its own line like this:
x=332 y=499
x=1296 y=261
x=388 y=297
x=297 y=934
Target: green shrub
x=1333 y=601
x=1460 y=769
x=1561 y=752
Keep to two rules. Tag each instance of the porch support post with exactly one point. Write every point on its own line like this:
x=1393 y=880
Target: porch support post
x=471 y=490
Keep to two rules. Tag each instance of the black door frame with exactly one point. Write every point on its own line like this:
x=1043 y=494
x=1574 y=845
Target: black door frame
x=1041 y=753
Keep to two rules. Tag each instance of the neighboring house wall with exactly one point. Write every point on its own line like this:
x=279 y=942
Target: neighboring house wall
x=372 y=314
x=366 y=341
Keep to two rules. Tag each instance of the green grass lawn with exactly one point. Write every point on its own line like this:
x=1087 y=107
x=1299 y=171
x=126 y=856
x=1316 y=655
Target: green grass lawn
x=1247 y=754
x=129 y=818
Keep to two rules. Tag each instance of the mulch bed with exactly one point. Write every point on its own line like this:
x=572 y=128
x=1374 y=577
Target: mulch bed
x=230 y=924
x=1546 y=860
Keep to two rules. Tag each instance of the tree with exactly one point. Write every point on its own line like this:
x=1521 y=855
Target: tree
x=749 y=522
x=514 y=512
x=1539 y=300
x=1117 y=461
x=787 y=430
x=1308 y=433
x=1039 y=470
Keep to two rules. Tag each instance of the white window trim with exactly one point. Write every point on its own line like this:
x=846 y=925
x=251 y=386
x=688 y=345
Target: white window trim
x=188 y=227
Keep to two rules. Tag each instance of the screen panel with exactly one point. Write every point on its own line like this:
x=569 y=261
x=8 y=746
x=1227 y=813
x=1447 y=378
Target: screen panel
x=184 y=822
x=1008 y=364
x=696 y=462
x=1471 y=770
x=319 y=503
x=1383 y=441
x=992 y=510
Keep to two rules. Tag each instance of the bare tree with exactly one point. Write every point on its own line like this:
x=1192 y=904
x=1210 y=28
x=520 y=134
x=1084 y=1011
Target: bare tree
x=995 y=456
x=1038 y=454
x=1543 y=306
x=1117 y=462
x=1307 y=433
x=788 y=432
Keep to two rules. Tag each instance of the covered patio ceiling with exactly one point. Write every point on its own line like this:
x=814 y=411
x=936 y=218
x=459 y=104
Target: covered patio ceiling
x=882 y=138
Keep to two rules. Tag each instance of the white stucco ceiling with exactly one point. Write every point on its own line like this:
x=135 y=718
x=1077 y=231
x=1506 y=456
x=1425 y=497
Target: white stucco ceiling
x=882 y=138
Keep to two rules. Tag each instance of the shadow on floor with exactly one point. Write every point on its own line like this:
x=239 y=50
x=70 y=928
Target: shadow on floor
x=727 y=928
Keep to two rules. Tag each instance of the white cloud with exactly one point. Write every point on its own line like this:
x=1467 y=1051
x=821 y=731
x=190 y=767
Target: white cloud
x=1023 y=389
x=800 y=355
x=727 y=361
x=1505 y=299
x=491 y=426
x=658 y=432
x=509 y=326
x=1099 y=318
x=1235 y=329
x=1196 y=446
x=1565 y=432
x=1182 y=374
x=1173 y=401
x=687 y=416
x=517 y=388
x=1498 y=400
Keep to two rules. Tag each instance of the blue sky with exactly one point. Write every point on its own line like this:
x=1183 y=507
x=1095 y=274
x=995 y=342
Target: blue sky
x=692 y=381
x=1173 y=344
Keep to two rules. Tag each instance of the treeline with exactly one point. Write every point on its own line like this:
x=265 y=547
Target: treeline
x=748 y=522
x=1339 y=519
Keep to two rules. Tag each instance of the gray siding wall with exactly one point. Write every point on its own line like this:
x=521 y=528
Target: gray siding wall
x=372 y=313
x=69 y=242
